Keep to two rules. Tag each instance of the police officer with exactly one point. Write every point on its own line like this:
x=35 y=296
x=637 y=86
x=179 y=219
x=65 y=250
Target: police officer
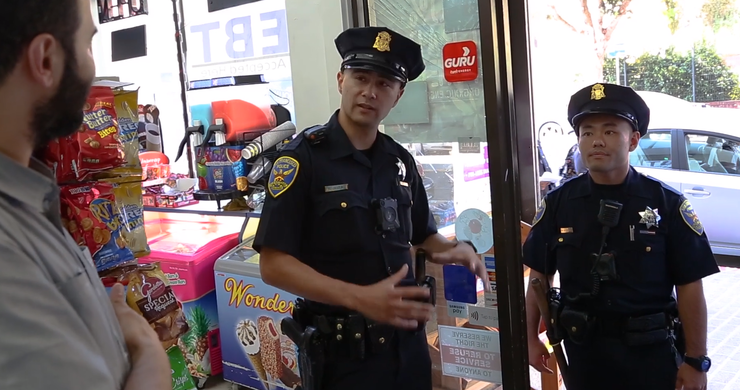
x=345 y=203
x=621 y=242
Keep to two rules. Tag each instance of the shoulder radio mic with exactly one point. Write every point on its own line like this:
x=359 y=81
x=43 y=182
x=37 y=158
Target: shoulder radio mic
x=609 y=212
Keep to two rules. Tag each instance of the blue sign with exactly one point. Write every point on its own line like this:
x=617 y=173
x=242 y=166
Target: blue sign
x=241 y=41
x=460 y=284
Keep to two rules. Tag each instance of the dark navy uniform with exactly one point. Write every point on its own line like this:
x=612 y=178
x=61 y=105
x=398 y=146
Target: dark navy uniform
x=319 y=209
x=657 y=244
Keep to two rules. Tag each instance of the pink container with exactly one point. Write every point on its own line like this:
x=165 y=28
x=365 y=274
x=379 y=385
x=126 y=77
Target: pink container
x=188 y=258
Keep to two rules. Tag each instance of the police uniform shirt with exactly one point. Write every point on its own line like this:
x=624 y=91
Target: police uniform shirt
x=658 y=243
x=318 y=207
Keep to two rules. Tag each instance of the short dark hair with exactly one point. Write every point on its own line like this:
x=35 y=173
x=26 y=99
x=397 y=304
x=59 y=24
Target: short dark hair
x=23 y=20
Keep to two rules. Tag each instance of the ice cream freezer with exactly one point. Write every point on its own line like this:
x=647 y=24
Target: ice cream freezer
x=254 y=351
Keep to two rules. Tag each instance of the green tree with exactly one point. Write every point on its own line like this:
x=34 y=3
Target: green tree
x=598 y=23
x=718 y=14
x=673 y=73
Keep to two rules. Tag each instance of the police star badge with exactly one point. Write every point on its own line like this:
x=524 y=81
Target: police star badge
x=597 y=92
x=282 y=176
x=383 y=41
x=689 y=216
x=649 y=217
x=401 y=170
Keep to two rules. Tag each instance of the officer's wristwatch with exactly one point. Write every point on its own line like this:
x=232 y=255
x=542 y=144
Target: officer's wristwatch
x=701 y=364
x=467 y=242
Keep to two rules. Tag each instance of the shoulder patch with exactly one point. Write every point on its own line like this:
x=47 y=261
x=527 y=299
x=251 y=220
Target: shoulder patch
x=283 y=174
x=540 y=212
x=689 y=216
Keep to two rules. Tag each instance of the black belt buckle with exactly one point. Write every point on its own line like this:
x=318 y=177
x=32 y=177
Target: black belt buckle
x=356 y=336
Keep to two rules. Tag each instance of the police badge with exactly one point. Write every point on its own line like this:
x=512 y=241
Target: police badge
x=597 y=92
x=401 y=170
x=649 y=217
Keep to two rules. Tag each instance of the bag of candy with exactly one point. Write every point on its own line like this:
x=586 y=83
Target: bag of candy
x=90 y=214
x=130 y=205
x=149 y=294
x=99 y=141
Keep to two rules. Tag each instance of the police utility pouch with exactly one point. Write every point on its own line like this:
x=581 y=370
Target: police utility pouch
x=386 y=213
x=356 y=336
x=557 y=332
x=578 y=324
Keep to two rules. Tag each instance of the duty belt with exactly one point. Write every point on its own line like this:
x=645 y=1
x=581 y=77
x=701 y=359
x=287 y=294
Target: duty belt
x=348 y=335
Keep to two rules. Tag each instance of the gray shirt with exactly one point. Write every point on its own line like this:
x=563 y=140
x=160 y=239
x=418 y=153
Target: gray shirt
x=57 y=326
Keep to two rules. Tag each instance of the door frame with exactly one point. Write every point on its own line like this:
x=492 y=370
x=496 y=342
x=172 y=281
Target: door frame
x=507 y=90
x=506 y=71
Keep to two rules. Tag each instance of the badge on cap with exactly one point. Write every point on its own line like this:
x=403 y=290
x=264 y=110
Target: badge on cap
x=649 y=217
x=597 y=92
x=689 y=216
x=282 y=176
x=383 y=41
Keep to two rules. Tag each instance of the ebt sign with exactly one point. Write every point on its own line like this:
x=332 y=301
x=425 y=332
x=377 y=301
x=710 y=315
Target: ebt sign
x=248 y=39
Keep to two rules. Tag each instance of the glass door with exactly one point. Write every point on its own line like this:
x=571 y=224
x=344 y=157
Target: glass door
x=455 y=120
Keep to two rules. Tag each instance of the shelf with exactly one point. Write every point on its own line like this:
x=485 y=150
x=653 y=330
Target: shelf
x=203 y=208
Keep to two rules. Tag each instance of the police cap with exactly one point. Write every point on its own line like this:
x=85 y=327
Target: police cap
x=381 y=50
x=610 y=99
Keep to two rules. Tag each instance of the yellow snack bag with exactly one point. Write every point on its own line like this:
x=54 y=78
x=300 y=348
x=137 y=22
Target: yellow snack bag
x=130 y=204
x=127 y=103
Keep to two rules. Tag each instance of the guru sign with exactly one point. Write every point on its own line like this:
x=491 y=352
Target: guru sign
x=460 y=61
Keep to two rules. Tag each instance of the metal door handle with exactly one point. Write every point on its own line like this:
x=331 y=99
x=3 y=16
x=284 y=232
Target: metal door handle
x=698 y=191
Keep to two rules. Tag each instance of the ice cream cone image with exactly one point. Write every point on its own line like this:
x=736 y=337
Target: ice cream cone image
x=248 y=335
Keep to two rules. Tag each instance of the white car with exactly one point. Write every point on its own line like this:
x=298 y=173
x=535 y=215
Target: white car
x=696 y=151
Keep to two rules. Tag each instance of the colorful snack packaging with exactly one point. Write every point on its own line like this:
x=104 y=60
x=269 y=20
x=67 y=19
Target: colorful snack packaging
x=149 y=294
x=62 y=155
x=130 y=205
x=90 y=214
x=181 y=379
x=100 y=137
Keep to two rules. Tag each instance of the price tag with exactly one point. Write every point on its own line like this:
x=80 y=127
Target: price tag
x=457 y=310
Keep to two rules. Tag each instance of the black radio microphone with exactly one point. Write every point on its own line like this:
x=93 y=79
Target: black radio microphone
x=609 y=213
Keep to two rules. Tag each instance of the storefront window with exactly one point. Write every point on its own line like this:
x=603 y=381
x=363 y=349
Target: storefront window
x=440 y=119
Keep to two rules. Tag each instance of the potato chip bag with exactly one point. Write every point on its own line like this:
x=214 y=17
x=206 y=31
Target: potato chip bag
x=62 y=155
x=149 y=294
x=100 y=137
x=90 y=214
x=130 y=205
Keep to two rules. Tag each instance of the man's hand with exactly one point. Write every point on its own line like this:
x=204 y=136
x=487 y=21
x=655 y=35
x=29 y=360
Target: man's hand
x=690 y=379
x=463 y=254
x=137 y=333
x=150 y=366
x=538 y=355
x=388 y=303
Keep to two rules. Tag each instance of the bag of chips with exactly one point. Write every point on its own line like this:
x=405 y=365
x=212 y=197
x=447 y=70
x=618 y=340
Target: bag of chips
x=100 y=137
x=90 y=214
x=62 y=155
x=130 y=205
x=149 y=294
